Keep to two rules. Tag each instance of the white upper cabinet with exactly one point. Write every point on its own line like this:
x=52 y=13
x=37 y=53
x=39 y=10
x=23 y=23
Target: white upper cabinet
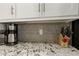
x=11 y=12
x=27 y=10
x=61 y=9
x=7 y=11
x=34 y=10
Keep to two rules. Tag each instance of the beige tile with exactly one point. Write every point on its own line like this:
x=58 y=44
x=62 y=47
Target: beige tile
x=30 y=32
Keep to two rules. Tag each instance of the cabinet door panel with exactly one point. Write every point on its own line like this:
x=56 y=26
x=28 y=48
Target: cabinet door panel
x=61 y=9
x=27 y=10
x=6 y=10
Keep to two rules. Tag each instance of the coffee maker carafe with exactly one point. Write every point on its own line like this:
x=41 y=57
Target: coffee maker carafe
x=11 y=37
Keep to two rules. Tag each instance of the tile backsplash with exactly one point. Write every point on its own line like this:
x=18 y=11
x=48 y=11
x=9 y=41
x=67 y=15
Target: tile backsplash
x=39 y=32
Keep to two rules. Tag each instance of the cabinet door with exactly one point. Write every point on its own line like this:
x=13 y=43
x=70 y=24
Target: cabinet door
x=27 y=10
x=61 y=9
x=7 y=10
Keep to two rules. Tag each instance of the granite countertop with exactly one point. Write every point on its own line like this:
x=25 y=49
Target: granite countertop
x=37 y=49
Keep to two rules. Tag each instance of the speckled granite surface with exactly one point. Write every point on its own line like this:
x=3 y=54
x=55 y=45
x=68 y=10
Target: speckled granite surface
x=37 y=49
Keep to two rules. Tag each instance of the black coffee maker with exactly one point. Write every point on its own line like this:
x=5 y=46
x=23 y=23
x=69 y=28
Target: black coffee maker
x=2 y=30
x=11 y=34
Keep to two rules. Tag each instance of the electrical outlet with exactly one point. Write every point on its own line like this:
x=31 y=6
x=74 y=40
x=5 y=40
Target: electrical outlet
x=40 y=31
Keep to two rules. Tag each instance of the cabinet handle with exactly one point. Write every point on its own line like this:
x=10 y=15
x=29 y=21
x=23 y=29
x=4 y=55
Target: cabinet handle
x=43 y=7
x=12 y=10
x=39 y=7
